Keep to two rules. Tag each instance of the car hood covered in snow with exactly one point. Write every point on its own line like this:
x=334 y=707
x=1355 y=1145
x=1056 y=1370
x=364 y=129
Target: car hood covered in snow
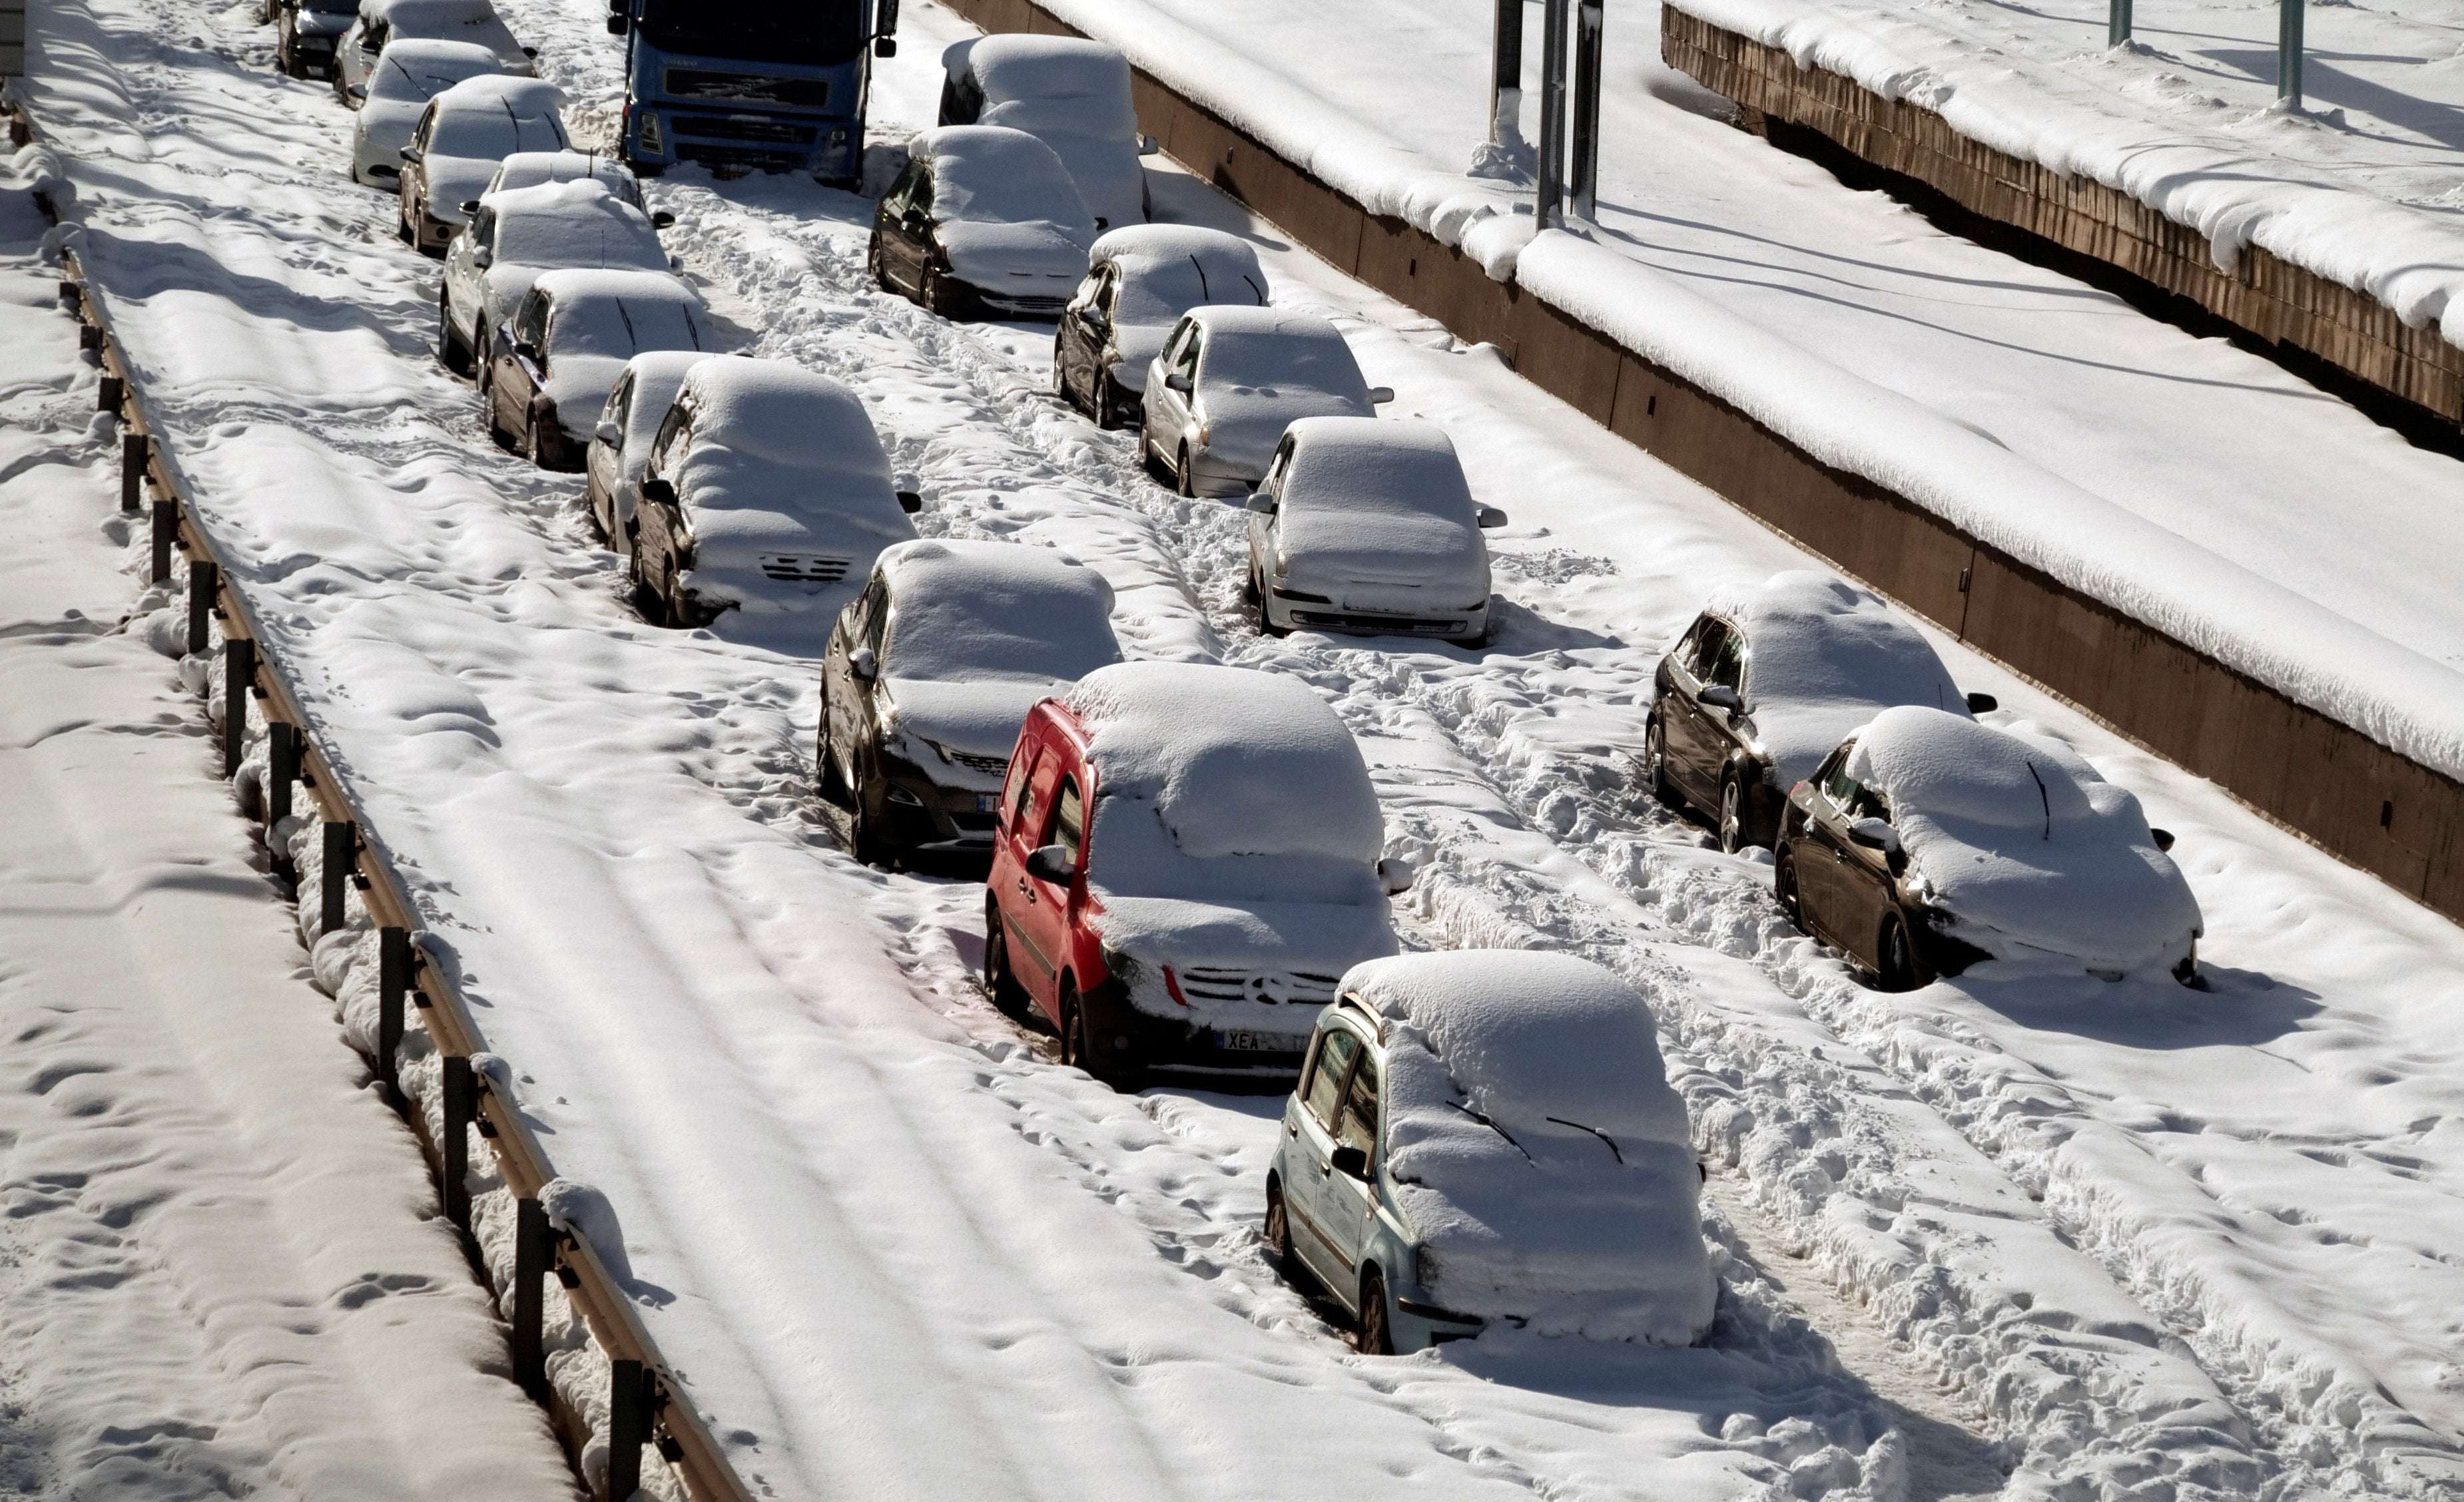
x=1005 y=212
x=1041 y=259
x=1535 y=1145
x=980 y=631
x=2023 y=845
x=1234 y=822
x=603 y=319
x=1376 y=515
x=1827 y=657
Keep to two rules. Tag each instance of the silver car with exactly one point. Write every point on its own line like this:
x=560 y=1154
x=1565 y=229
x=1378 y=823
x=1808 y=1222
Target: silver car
x=1231 y=380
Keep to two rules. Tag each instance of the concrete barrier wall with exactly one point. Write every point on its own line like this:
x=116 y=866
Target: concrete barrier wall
x=2350 y=796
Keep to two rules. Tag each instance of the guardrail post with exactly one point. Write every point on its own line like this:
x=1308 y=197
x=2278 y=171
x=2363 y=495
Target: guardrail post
x=72 y=296
x=107 y=394
x=134 y=448
x=1506 y=76
x=205 y=581
x=2288 y=51
x=394 y=981
x=2117 y=22
x=341 y=839
x=240 y=677
x=530 y=1288
x=629 y=1429
x=461 y=1109
x=1550 y=209
x=281 y=771
x=167 y=531
x=1591 y=19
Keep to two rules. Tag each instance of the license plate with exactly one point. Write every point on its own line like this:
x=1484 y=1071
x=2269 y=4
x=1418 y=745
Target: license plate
x=1256 y=1042
x=987 y=802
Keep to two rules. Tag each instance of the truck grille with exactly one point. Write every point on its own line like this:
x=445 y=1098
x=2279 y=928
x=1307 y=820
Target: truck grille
x=738 y=159
x=1384 y=625
x=1286 y=987
x=718 y=129
x=747 y=88
x=804 y=568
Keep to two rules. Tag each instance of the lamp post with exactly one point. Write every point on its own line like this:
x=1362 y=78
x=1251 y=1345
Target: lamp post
x=1550 y=209
x=2288 y=53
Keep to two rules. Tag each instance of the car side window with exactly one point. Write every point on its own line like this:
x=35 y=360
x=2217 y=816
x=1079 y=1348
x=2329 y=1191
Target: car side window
x=1709 y=636
x=1728 y=666
x=1837 y=785
x=894 y=201
x=1014 y=796
x=620 y=402
x=1273 y=483
x=1068 y=819
x=673 y=431
x=426 y=125
x=1190 y=346
x=530 y=325
x=877 y=621
x=483 y=232
x=1324 y=1091
x=1359 y=1125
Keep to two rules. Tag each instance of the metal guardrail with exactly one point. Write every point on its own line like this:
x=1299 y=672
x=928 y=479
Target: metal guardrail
x=647 y=1405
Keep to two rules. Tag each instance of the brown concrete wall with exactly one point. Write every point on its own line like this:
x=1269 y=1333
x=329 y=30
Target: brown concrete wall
x=2348 y=794
x=2269 y=297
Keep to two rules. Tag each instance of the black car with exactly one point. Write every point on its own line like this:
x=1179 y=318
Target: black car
x=306 y=31
x=983 y=223
x=569 y=338
x=1140 y=280
x=1764 y=684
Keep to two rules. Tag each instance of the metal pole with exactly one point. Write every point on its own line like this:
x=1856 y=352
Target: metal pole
x=239 y=679
x=342 y=839
x=628 y=1428
x=1506 y=76
x=1589 y=23
x=394 y=981
x=2288 y=52
x=2117 y=23
x=133 y=447
x=1548 y=210
x=203 y=583
x=530 y=1276
x=461 y=1109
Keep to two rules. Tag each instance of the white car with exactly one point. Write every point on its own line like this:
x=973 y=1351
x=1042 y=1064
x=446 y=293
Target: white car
x=984 y=223
x=382 y=23
x=395 y=95
x=1368 y=526
x=531 y=168
x=1072 y=95
x=568 y=341
x=1231 y=380
x=767 y=493
x=511 y=238
x=462 y=138
x=620 y=444
x=1139 y=280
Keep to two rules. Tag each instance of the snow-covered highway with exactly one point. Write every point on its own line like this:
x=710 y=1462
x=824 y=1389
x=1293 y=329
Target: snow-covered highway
x=2136 y=1235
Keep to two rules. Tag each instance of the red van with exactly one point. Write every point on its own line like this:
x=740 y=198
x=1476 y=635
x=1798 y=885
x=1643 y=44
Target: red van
x=1185 y=862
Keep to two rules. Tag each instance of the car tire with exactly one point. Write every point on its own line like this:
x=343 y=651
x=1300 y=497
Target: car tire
x=482 y=371
x=1108 y=403
x=1266 y=624
x=828 y=782
x=877 y=268
x=1732 y=815
x=1278 y=1236
x=1895 y=961
x=451 y=351
x=1157 y=469
x=652 y=605
x=1377 y=1334
x=1655 y=761
x=1000 y=987
x=863 y=830
x=1792 y=901
x=534 y=441
x=1184 y=479
x=1078 y=1042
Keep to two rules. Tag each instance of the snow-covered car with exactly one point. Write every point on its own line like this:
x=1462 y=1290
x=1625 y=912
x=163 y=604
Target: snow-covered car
x=568 y=343
x=462 y=136
x=620 y=444
x=1185 y=863
x=1139 y=280
x=985 y=221
x=411 y=73
x=927 y=677
x=379 y=24
x=766 y=491
x=1927 y=842
x=306 y=32
x=516 y=236
x=1368 y=526
x=1764 y=684
x=1069 y=92
x=1231 y=380
x=1489 y=1134
x=531 y=168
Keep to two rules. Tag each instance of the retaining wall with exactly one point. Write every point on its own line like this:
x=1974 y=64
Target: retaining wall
x=2346 y=792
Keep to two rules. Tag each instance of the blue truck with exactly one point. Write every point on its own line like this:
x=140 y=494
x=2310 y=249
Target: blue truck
x=751 y=85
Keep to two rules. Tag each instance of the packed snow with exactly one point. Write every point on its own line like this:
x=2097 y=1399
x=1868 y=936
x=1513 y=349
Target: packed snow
x=1074 y=97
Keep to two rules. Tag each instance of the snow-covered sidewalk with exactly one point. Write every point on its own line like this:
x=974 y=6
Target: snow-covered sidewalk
x=223 y=1271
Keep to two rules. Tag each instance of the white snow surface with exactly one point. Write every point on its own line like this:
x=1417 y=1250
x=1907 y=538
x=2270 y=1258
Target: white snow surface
x=1376 y=515
x=2029 y=850
x=472 y=21
x=1074 y=97
x=980 y=632
x=1167 y=269
x=1826 y=656
x=1538 y=1152
x=1005 y=206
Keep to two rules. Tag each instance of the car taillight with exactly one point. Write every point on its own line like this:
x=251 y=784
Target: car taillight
x=1172 y=984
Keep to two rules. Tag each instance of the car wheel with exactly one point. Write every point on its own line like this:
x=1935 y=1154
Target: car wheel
x=1185 y=480
x=1655 y=761
x=2188 y=972
x=652 y=605
x=1265 y=623
x=1008 y=998
x=1376 y=1335
x=827 y=780
x=1279 y=1239
x=1894 y=959
x=449 y=347
x=863 y=831
x=535 y=441
x=1784 y=887
x=1732 y=815
x=483 y=368
x=877 y=268
x=1108 y=401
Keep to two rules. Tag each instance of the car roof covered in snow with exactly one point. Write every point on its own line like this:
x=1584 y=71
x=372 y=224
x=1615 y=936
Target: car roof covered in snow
x=2019 y=836
x=441 y=18
x=616 y=312
x=993 y=175
x=1388 y=466
x=578 y=224
x=778 y=427
x=1826 y=655
x=1015 y=66
x=973 y=610
x=502 y=91
x=530 y=168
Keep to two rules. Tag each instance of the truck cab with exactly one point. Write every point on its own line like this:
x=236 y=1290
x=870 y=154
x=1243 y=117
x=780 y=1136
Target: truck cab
x=745 y=85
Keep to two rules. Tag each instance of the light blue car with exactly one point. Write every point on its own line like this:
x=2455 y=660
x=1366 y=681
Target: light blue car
x=1487 y=1136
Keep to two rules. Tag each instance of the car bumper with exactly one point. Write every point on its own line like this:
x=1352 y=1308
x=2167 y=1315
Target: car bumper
x=1418 y=1321
x=1312 y=615
x=920 y=816
x=1126 y=1038
x=1216 y=477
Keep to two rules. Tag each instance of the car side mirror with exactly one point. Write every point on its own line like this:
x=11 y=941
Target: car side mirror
x=532 y=52
x=658 y=492
x=862 y=662
x=470 y=206
x=1395 y=876
x=1102 y=223
x=1875 y=833
x=1262 y=502
x=2163 y=839
x=661 y=220
x=358 y=91
x=884 y=46
x=910 y=502
x=483 y=258
x=1491 y=518
x=1379 y=396
x=1052 y=863
x=1350 y=1160
x=1178 y=380
x=618 y=25
x=608 y=433
x=1982 y=704
x=1719 y=696
x=413 y=154
x=1147 y=144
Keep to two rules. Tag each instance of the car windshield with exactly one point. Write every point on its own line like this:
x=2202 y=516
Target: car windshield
x=1160 y=291
x=601 y=235
x=491 y=131
x=624 y=327
x=1283 y=361
x=814 y=32
x=422 y=78
x=998 y=632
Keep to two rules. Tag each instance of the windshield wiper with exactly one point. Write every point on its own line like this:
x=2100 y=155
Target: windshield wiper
x=1494 y=1127
x=1595 y=1132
